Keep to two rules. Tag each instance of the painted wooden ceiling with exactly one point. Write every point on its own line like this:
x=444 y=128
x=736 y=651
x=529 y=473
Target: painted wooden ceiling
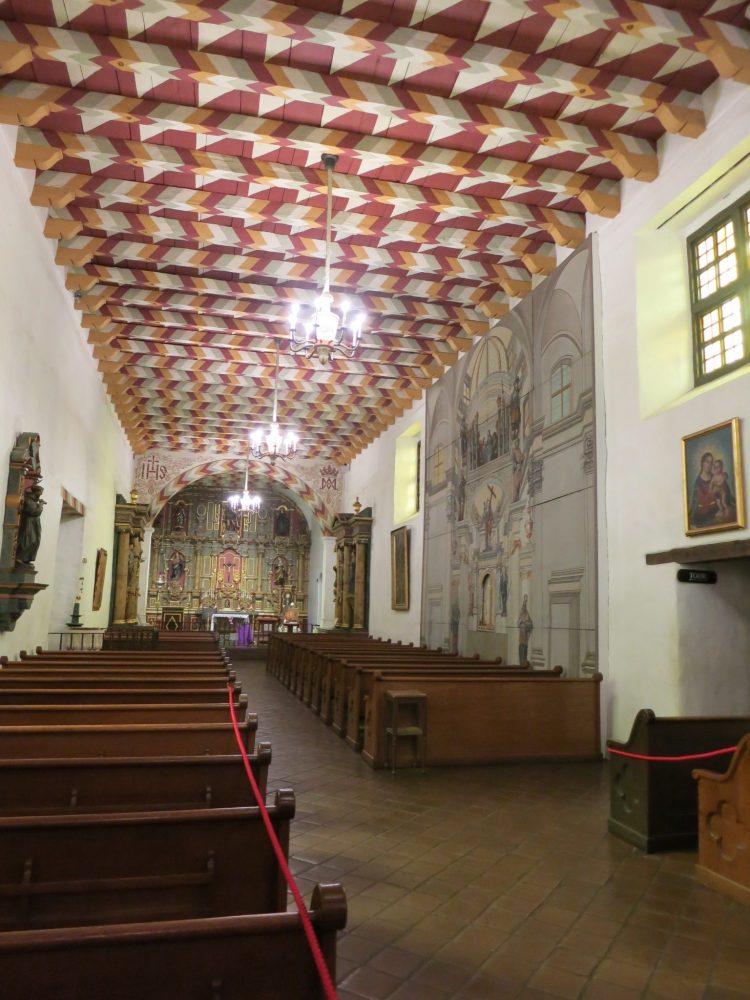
x=177 y=147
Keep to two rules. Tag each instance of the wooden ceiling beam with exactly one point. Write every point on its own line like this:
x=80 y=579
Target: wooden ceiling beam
x=44 y=150
x=83 y=55
x=25 y=102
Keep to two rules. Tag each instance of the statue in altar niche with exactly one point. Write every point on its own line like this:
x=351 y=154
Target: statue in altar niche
x=30 y=527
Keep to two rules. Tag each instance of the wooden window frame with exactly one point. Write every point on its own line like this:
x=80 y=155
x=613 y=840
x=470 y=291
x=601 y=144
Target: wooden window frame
x=737 y=213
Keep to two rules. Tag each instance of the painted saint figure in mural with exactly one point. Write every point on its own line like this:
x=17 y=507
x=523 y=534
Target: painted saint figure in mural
x=503 y=591
x=515 y=407
x=176 y=571
x=525 y=628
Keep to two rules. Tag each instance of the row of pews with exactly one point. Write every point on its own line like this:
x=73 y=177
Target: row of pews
x=132 y=862
x=664 y=795
x=477 y=711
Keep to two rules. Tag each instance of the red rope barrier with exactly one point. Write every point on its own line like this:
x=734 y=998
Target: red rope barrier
x=687 y=756
x=312 y=939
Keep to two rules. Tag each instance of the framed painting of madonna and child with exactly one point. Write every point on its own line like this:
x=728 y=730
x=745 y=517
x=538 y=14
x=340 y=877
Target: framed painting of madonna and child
x=712 y=479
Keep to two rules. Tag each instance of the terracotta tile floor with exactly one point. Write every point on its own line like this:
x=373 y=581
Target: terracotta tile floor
x=492 y=882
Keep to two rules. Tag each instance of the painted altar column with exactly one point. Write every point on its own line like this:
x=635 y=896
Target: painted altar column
x=130 y=523
x=143 y=580
x=360 y=583
x=121 y=576
x=346 y=607
x=134 y=573
x=339 y=585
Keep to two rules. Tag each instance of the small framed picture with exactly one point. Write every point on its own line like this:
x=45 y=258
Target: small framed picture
x=400 y=569
x=712 y=479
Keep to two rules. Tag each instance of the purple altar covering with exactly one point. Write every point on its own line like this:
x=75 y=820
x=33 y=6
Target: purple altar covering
x=245 y=634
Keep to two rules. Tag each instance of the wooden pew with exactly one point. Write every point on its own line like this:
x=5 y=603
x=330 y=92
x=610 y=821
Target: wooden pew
x=118 y=656
x=118 y=695
x=654 y=805
x=120 y=681
x=724 y=826
x=360 y=688
x=484 y=720
x=108 y=714
x=100 y=868
x=32 y=669
x=340 y=675
x=120 y=784
x=262 y=957
x=125 y=741
x=93 y=677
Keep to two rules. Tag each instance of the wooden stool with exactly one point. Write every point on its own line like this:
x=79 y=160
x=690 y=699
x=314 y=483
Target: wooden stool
x=406 y=718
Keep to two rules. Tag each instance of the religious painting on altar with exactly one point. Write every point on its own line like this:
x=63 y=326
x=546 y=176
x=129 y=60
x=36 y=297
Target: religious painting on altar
x=282 y=522
x=279 y=572
x=713 y=494
x=228 y=570
x=179 y=518
x=231 y=520
x=100 y=570
x=176 y=572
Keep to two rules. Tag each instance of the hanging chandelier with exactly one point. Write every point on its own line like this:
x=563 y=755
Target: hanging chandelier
x=272 y=443
x=321 y=329
x=244 y=501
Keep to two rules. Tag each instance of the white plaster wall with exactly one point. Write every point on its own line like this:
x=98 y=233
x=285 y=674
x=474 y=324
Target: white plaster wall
x=370 y=477
x=660 y=646
x=49 y=385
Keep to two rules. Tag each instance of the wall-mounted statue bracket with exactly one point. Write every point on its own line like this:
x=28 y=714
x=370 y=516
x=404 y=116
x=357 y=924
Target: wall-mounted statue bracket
x=22 y=531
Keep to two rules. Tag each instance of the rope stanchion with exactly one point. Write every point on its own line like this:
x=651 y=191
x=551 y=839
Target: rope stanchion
x=687 y=756
x=320 y=963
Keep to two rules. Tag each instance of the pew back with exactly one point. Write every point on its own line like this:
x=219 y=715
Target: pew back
x=99 y=868
x=263 y=957
x=122 y=784
x=189 y=739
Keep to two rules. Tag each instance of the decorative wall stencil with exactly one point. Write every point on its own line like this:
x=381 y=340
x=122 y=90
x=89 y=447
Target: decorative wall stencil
x=22 y=531
x=509 y=485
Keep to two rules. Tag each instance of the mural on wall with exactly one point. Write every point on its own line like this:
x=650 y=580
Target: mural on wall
x=510 y=543
x=159 y=475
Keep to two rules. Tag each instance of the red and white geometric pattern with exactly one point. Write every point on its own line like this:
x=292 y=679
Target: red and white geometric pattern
x=177 y=149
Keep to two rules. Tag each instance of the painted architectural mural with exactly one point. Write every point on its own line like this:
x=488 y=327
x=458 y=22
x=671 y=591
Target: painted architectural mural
x=510 y=519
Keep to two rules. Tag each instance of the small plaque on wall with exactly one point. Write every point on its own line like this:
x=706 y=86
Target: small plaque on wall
x=696 y=576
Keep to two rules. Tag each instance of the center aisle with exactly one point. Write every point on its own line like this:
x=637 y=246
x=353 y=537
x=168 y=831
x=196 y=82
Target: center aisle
x=488 y=883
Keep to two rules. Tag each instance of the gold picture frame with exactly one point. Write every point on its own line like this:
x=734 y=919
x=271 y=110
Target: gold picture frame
x=713 y=488
x=400 y=569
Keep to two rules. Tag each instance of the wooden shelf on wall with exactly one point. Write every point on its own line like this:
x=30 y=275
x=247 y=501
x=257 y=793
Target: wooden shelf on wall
x=712 y=552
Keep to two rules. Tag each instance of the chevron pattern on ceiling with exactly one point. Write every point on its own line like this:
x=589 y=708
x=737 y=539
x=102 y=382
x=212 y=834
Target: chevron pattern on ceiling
x=177 y=151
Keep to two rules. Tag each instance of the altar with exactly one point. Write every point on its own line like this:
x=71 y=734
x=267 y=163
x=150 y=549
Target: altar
x=241 y=615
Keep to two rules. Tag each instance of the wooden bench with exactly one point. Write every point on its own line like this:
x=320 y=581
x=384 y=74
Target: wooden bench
x=484 y=720
x=118 y=695
x=120 y=784
x=262 y=957
x=360 y=688
x=341 y=676
x=93 y=677
x=118 y=656
x=125 y=741
x=654 y=804
x=107 y=714
x=141 y=681
x=724 y=826
x=100 y=868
